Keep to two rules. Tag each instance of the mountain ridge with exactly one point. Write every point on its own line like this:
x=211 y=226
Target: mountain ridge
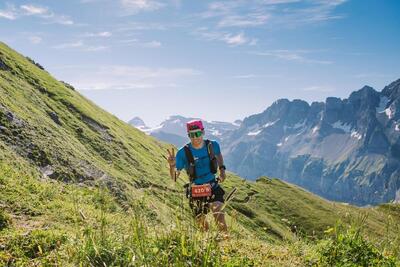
x=173 y=129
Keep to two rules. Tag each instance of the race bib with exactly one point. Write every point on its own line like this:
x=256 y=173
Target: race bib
x=203 y=190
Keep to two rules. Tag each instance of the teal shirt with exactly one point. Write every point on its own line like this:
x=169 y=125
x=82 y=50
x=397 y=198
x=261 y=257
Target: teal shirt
x=202 y=162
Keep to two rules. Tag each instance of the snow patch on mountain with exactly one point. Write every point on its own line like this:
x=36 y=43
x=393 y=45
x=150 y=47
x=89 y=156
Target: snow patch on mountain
x=268 y=124
x=299 y=124
x=397 y=127
x=215 y=132
x=389 y=112
x=382 y=104
x=343 y=126
x=356 y=135
x=256 y=129
x=253 y=133
x=397 y=198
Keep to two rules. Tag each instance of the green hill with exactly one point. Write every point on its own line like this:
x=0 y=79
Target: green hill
x=80 y=186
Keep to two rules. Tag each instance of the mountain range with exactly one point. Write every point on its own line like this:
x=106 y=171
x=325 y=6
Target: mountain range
x=342 y=149
x=173 y=129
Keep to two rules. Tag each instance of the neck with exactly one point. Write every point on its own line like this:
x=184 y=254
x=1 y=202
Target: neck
x=199 y=145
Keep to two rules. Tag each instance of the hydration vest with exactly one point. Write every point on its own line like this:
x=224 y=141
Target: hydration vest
x=191 y=169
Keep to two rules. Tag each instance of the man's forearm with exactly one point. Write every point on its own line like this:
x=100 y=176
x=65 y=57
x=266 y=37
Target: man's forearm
x=172 y=171
x=220 y=160
x=221 y=165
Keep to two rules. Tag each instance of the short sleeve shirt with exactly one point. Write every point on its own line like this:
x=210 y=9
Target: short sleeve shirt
x=202 y=162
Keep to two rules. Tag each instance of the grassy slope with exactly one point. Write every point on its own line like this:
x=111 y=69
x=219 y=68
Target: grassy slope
x=91 y=147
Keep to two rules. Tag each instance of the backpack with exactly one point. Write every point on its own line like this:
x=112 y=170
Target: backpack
x=191 y=170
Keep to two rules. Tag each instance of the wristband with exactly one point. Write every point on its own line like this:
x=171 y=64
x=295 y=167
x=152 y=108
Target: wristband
x=222 y=167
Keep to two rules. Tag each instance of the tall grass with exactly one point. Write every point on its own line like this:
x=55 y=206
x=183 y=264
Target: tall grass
x=143 y=244
x=346 y=245
x=50 y=223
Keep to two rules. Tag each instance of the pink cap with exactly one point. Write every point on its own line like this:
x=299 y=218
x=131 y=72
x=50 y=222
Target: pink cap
x=194 y=125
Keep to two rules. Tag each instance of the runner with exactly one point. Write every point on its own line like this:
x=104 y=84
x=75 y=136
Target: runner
x=201 y=159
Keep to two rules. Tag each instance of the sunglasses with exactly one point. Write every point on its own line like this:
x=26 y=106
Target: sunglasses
x=195 y=134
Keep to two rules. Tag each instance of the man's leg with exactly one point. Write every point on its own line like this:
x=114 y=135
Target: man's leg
x=200 y=209
x=202 y=222
x=219 y=216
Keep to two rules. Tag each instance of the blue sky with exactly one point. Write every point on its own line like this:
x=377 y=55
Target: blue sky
x=219 y=60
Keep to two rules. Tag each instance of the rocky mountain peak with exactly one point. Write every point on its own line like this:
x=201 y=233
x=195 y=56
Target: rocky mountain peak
x=392 y=90
x=366 y=93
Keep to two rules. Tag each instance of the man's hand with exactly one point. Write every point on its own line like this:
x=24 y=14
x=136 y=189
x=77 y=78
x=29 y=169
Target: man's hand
x=222 y=175
x=171 y=158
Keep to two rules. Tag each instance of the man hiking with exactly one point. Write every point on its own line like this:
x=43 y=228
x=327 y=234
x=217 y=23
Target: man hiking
x=201 y=159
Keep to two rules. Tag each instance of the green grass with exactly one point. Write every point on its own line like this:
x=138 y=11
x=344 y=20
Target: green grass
x=108 y=198
x=346 y=246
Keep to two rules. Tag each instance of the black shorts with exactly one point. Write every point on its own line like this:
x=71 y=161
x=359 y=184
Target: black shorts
x=201 y=205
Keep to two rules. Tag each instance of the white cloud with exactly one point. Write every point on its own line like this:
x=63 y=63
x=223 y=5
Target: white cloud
x=313 y=12
x=232 y=39
x=139 y=43
x=291 y=55
x=237 y=39
x=134 y=6
x=81 y=46
x=152 y=44
x=268 y=13
x=245 y=76
x=126 y=77
x=13 y=13
x=218 y=9
x=104 y=34
x=59 y=19
x=133 y=41
x=35 y=39
x=249 y=20
x=277 y=2
x=34 y=10
x=69 y=45
x=95 y=48
x=137 y=26
x=9 y=13
x=145 y=72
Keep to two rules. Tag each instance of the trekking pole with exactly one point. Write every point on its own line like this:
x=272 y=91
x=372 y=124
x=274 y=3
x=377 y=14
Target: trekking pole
x=229 y=197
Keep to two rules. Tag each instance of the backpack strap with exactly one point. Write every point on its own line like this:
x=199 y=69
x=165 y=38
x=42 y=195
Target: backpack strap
x=191 y=168
x=211 y=155
x=210 y=149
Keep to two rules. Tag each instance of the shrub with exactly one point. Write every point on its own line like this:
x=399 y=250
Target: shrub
x=35 y=63
x=347 y=247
